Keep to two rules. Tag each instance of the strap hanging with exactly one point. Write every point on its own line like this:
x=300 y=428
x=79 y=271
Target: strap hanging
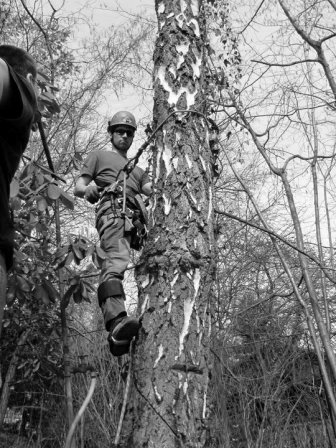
x=124 y=195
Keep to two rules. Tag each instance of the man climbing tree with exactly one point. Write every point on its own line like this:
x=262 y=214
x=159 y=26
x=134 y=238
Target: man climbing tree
x=175 y=273
x=18 y=111
x=120 y=222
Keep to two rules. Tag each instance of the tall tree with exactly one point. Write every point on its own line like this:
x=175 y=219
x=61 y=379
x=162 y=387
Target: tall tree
x=281 y=118
x=175 y=274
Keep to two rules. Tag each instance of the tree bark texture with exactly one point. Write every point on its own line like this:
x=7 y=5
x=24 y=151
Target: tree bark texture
x=176 y=270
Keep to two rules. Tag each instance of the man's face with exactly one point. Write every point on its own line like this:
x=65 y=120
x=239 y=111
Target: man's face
x=122 y=137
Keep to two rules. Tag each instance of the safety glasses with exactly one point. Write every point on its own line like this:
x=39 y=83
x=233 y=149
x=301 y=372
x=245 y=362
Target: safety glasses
x=122 y=131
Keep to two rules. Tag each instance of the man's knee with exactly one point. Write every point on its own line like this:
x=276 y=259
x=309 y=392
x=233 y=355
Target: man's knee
x=110 y=288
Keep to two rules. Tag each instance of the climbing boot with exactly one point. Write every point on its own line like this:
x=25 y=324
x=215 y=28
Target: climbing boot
x=122 y=331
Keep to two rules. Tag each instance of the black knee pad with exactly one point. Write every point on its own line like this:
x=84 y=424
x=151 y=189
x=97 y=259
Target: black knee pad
x=110 y=288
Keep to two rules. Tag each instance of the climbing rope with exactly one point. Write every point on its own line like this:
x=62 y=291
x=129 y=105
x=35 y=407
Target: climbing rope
x=81 y=410
x=126 y=394
x=130 y=376
x=131 y=164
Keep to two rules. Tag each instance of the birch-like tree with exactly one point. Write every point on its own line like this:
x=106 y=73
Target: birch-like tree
x=176 y=270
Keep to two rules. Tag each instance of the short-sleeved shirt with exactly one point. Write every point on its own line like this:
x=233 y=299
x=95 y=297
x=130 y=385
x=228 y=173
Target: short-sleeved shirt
x=104 y=167
x=15 y=129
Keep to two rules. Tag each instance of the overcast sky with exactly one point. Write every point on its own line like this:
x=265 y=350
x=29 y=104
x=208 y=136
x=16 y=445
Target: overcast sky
x=104 y=14
x=110 y=12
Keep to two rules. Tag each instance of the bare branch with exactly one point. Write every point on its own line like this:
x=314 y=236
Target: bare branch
x=253 y=17
x=273 y=64
x=332 y=4
x=313 y=43
x=45 y=35
x=260 y=147
x=316 y=45
x=327 y=37
x=279 y=237
x=298 y=156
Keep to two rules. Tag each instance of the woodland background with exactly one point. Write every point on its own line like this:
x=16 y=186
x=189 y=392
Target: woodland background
x=271 y=93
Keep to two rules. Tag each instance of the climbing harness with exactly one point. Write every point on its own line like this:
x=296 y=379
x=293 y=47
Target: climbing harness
x=115 y=204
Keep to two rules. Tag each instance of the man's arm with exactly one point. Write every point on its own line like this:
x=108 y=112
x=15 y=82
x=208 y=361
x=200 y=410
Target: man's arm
x=5 y=85
x=84 y=190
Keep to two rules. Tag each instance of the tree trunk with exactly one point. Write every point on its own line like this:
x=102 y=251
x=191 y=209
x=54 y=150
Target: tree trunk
x=176 y=271
x=65 y=335
x=5 y=392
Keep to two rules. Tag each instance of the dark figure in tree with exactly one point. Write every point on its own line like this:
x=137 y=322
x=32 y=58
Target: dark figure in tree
x=18 y=112
x=119 y=221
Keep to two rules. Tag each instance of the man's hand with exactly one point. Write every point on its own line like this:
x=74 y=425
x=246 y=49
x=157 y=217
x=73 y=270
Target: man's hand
x=147 y=189
x=92 y=194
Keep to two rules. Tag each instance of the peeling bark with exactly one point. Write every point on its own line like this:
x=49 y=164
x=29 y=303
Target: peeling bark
x=175 y=276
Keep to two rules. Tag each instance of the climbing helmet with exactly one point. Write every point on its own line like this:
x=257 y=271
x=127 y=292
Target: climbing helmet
x=122 y=118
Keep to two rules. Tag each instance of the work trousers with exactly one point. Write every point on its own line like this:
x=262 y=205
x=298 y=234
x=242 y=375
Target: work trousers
x=116 y=246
